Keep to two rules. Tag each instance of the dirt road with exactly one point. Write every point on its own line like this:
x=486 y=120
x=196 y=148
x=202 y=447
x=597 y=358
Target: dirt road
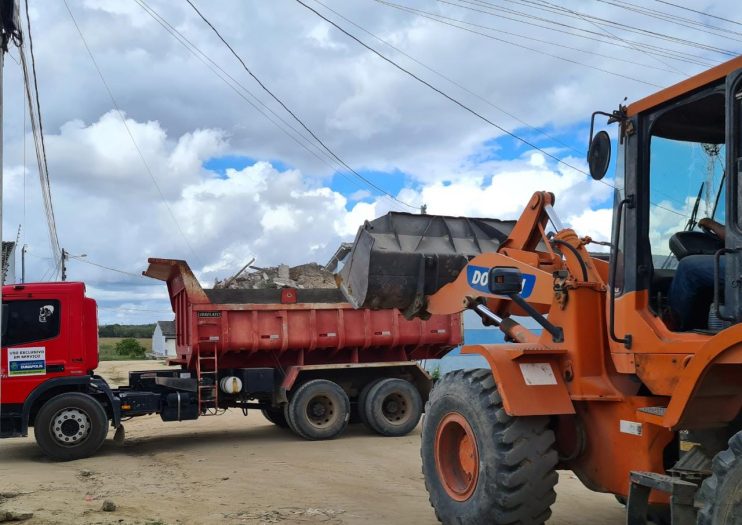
x=233 y=469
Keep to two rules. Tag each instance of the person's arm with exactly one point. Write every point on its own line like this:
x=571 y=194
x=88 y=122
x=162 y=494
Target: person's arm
x=714 y=226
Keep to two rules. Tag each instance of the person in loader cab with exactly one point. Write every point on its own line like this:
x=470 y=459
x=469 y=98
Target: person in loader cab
x=692 y=286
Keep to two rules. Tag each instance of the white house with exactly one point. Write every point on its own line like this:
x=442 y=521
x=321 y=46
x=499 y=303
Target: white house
x=163 y=340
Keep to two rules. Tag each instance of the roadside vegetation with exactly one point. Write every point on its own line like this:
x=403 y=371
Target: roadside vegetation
x=126 y=348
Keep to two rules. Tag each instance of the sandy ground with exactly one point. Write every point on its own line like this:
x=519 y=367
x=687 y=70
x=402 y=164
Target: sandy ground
x=233 y=469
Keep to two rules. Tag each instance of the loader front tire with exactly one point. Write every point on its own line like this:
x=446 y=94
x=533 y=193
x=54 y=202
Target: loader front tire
x=482 y=466
x=720 y=496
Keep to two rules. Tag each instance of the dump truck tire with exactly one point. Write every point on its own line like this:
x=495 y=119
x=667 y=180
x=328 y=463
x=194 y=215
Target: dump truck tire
x=71 y=426
x=720 y=496
x=482 y=466
x=393 y=407
x=275 y=416
x=362 y=400
x=319 y=409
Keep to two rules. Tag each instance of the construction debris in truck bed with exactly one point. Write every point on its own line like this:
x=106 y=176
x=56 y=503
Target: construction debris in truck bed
x=310 y=275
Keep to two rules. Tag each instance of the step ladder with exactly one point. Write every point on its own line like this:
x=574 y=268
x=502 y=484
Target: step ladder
x=207 y=373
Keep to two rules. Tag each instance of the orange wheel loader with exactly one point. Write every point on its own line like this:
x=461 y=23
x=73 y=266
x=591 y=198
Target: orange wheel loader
x=625 y=368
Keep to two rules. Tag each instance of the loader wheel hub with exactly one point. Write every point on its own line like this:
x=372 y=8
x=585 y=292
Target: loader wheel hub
x=456 y=456
x=70 y=426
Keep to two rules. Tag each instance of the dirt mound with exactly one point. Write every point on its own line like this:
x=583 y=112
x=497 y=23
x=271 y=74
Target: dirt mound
x=310 y=275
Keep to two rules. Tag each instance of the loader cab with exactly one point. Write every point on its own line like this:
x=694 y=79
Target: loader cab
x=677 y=163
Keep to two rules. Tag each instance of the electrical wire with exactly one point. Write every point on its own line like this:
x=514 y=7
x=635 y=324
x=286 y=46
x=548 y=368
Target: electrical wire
x=131 y=135
x=601 y=37
x=34 y=108
x=434 y=17
x=86 y=261
x=699 y=12
x=428 y=14
x=452 y=81
x=459 y=103
x=242 y=91
x=564 y=11
x=587 y=19
x=293 y=114
x=675 y=19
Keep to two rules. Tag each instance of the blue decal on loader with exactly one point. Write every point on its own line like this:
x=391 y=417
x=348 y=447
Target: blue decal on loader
x=478 y=277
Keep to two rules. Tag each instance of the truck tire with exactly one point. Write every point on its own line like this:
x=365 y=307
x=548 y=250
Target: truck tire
x=71 y=426
x=275 y=416
x=319 y=409
x=482 y=466
x=362 y=400
x=393 y=407
x=720 y=496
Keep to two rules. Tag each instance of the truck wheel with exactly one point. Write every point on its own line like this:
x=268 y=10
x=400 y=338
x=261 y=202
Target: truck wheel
x=362 y=400
x=482 y=466
x=319 y=409
x=275 y=416
x=720 y=495
x=393 y=407
x=70 y=426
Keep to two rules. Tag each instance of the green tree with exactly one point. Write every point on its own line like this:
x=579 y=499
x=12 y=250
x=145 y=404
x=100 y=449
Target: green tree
x=130 y=347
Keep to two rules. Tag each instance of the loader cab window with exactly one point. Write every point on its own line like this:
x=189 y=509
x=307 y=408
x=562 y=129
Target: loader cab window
x=687 y=181
x=28 y=321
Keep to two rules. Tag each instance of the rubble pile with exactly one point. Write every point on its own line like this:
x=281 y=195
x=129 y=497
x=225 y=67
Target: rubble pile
x=311 y=275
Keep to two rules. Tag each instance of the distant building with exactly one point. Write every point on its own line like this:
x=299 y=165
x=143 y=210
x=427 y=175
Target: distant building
x=8 y=262
x=163 y=340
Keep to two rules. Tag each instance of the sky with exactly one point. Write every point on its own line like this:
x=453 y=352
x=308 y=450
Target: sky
x=182 y=164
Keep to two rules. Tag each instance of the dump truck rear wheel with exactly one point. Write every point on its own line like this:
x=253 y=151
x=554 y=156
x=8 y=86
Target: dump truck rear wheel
x=720 y=496
x=275 y=416
x=362 y=400
x=70 y=426
x=482 y=466
x=393 y=407
x=319 y=409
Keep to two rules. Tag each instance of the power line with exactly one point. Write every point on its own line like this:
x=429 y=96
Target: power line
x=293 y=115
x=558 y=9
x=452 y=81
x=459 y=103
x=86 y=261
x=439 y=91
x=34 y=108
x=699 y=12
x=131 y=135
x=588 y=34
x=675 y=19
x=233 y=84
x=435 y=17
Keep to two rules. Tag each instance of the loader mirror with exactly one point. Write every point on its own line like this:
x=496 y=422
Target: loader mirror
x=599 y=155
x=505 y=281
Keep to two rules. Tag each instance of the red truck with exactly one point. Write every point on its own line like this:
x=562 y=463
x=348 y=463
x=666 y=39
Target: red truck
x=304 y=357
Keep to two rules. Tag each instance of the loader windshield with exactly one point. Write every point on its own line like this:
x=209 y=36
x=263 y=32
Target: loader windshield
x=686 y=171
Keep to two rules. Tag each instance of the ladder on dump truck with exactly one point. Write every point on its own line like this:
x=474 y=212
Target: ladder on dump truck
x=207 y=374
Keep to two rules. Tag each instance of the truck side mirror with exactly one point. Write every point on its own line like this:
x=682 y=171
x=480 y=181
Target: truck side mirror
x=505 y=280
x=599 y=155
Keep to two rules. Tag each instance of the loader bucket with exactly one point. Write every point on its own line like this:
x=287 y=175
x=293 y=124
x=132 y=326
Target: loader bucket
x=399 y=258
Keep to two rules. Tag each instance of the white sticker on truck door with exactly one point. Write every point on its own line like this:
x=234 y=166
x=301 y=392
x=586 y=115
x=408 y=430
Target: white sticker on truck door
x=27 y=361
x=538 y=374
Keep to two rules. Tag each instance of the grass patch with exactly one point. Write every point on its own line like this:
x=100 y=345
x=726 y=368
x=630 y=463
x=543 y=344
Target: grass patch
x=107 y=348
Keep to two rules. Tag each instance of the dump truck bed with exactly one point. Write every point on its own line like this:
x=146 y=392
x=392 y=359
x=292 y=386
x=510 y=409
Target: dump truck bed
x=287 y=327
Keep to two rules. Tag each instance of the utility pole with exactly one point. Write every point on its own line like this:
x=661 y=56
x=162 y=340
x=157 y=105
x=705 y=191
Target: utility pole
x=23 y=263
x=65 y=255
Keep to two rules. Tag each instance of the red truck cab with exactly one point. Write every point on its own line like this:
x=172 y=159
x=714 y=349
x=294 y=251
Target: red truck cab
x=49 y=347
